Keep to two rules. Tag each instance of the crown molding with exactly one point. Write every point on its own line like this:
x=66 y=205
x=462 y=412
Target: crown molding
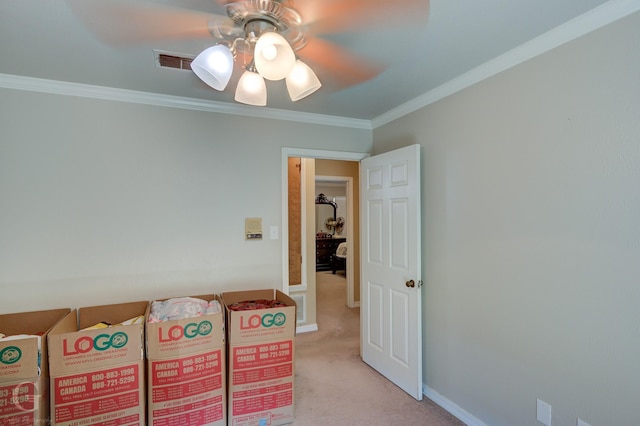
x=600 y=16
x=596 y=18
x=17 y=82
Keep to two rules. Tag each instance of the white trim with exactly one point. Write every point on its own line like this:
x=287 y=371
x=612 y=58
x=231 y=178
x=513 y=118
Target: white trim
x=451 y=407
x=307 y=328
x=590 y=21
x=284 y=225
x=324 y=154
x=17 y=82
x=297 y=288
x=301 y=302
x=304 y=249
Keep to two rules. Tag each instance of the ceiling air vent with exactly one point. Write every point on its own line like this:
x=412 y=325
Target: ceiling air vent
x=173 y=60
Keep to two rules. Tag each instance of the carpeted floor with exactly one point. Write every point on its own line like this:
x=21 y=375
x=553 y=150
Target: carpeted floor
x=335 y=387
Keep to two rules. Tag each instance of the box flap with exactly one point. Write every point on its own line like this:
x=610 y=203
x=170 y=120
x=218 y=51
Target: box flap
x=111 y=314
x=36 y=322
x=21 y=359
x=72 y=350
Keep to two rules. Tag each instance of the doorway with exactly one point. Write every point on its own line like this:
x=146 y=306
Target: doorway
x=391 y=325
x=329 y=166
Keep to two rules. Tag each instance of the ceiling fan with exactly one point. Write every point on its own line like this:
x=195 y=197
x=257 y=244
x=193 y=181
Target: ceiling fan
x=269 y=39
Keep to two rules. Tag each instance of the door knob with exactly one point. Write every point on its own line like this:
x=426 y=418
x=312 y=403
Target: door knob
x=410 y=283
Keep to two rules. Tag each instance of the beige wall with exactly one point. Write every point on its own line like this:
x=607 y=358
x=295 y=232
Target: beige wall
x=103 y=201
x=531 y=235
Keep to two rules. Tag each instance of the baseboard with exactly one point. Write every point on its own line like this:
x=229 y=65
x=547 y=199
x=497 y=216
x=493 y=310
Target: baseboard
x=306 y=328
x=451 y=407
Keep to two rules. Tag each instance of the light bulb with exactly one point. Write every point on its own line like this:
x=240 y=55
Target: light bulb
x=253 y=82
x=273 y=56
x=269 y=52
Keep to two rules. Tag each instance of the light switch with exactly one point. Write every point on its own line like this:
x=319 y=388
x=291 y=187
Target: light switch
x=273 y=232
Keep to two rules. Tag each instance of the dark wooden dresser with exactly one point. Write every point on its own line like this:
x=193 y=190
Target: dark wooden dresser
x=325 y=247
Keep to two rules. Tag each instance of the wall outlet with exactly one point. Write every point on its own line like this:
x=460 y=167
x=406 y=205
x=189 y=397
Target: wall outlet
x=543 y=412
x=582 y=423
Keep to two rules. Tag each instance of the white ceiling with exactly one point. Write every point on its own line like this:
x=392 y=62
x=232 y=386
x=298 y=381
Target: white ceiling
x=45 y=40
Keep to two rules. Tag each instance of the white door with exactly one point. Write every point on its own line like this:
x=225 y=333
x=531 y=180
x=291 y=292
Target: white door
x=391 y=314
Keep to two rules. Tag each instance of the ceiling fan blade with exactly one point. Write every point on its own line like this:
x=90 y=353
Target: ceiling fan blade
x=330 y=16
x=123 y=22
x=336 y=67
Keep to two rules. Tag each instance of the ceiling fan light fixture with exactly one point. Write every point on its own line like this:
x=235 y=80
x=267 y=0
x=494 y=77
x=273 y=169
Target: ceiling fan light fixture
x=214 y=66
x=273 y=56
x=267 y=33
x=301 y=81
x=251 y=89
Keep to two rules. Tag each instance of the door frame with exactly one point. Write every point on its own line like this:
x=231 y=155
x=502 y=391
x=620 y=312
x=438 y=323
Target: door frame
x=317 y=154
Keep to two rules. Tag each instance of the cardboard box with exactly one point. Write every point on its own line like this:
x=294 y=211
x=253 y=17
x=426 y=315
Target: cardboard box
x=186 y=370
x=260 y=360
x=24 y=372
x=98 y=376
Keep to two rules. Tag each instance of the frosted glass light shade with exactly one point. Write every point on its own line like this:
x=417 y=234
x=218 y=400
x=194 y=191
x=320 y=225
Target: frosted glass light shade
x=301 y=81
x=251 y=89
x=273 y=56
x=214 y=66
